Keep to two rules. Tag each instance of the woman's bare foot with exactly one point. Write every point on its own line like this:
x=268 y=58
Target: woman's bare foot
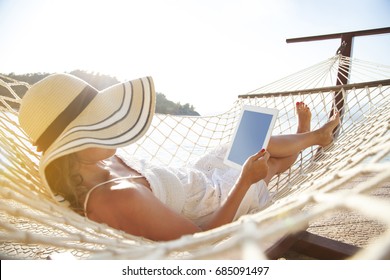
x=325 y=133
x=304 y=117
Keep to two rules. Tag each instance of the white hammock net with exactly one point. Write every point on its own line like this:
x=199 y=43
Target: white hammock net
x=341 y=192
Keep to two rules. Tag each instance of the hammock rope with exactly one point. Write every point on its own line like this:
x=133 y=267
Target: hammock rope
x=342 y=176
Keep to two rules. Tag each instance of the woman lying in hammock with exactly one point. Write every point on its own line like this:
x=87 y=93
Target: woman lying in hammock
x=79 y=129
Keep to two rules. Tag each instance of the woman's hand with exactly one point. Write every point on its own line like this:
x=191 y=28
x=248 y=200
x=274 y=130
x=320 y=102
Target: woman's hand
x=255 y=168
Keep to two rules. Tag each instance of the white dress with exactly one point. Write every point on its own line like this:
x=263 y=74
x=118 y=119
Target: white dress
x=199 y=188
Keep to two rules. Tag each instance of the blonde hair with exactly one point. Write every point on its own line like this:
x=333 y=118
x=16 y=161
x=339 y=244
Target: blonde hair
x=64 y=179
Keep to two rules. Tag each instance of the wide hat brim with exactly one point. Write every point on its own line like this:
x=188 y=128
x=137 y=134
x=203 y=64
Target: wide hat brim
x=116 y=117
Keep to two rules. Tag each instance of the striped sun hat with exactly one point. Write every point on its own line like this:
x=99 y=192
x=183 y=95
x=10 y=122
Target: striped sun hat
x=63 y=114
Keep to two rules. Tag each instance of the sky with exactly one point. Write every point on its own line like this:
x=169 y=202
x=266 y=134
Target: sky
x=202 y=52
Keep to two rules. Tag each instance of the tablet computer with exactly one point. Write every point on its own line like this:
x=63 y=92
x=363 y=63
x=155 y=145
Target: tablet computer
x=252 y=134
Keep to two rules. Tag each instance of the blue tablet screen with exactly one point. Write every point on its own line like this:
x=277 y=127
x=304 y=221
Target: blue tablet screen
x=250 y=136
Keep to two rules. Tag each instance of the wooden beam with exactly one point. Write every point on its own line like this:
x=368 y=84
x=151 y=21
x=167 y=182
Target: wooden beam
x=323 y=248
x=322 y=89
x=340 y=35
x=284 y=244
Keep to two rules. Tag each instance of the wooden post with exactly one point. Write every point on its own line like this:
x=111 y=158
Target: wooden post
x=342 y=75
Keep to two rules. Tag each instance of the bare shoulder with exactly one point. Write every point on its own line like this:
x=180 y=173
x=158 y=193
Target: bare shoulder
x=114 y=204
x=134 y=209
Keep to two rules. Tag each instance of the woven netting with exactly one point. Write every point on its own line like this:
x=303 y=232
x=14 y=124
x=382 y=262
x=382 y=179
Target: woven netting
x=343 y=176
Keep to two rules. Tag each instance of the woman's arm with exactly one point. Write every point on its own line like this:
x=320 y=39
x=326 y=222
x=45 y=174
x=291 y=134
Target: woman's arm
x=254 y=169
x=135 y=209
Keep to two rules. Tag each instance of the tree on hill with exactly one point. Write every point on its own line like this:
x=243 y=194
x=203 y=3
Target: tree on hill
x=165 y=106
x=101 y=81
